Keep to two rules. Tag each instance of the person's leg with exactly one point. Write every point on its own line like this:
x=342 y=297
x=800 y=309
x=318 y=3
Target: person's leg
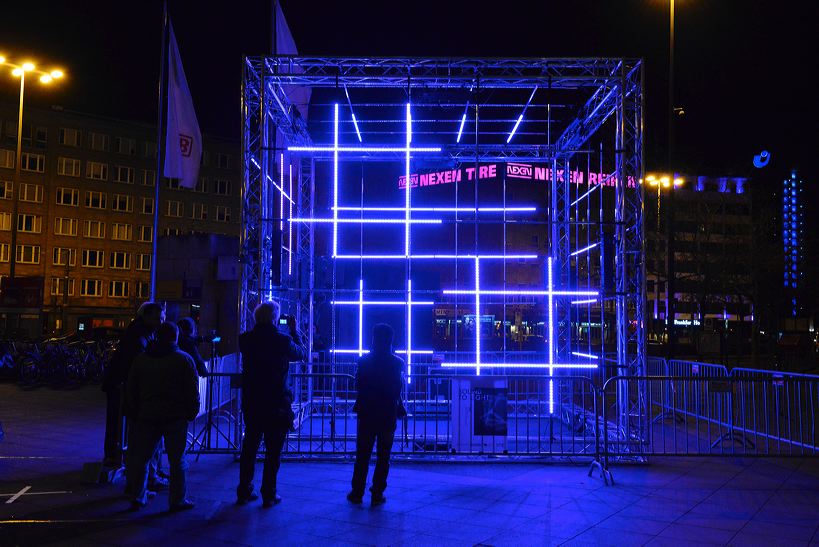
x=383 y=448
x=247 y=459
x=365 y=438
x=274 y=437
x=113 y=427
x=175 y=435
x=142 y=443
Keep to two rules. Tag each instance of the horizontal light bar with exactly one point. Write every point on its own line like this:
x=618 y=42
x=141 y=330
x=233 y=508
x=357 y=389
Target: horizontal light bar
x=381 y=303
x=435 y=257
x=518 y=365
x=587 y=355
x=590 y=301
x=367 y=220
x=524 y=293
x=584 y=249
x=401 y=351
x=441 y=209
x=363 y=149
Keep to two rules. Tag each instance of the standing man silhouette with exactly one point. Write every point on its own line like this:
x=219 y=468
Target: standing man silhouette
x=378 y=405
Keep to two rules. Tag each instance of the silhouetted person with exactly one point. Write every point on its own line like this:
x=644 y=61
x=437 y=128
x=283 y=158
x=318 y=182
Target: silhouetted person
x=378 y=405
x=188 y=342
x=133 y=342
x=266 y=399
x=162 y=396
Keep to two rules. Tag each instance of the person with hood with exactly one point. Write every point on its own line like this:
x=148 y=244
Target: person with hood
x=133 y=342
x=188 y=342
x=266 y=399
x=162 y=396
x=378 y=405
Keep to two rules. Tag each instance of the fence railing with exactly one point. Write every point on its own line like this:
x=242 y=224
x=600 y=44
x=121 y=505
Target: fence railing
x=680 y=408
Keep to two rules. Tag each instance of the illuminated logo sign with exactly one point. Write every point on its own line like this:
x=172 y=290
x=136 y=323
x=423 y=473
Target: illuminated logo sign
x=185 y=144
x=518 y=171
x=492 y=171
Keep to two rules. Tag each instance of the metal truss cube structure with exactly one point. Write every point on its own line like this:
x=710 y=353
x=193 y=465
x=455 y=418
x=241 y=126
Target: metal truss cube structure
x=397 y=166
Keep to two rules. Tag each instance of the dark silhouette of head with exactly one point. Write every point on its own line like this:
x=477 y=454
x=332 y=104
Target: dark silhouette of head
x=382 y=338
x=267 y=313
x=187 y=326
x=167 y=333
x=152 y=314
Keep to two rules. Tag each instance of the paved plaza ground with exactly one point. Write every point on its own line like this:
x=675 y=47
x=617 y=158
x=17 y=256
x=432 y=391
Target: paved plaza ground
x=51 y=433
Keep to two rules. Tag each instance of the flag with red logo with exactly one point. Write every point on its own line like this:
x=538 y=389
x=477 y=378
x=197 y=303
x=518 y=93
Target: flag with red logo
x=183 y=140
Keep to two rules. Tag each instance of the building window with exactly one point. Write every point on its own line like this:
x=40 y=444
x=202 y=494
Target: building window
x=94 y=229
x=143 y=262
x=122 y=203
x=120 y=260
x=98 y=141
x=125 y=146
x=205 y=161
x=31 y=224
x=4 y=252
x=143 y=289
x=150 y=149
x=69 y=137
x=172 y=184
x=148 y=177
x=63 y=256
x=121 y=232
x=58 y=286
x=68 y=167
x=148 y=206
x=171 y=231
x=65 y=226
x=221 y=187
x=124 y=175
x=31 y=192
x=174 y=209
x=92 y=258
x=32 y=162
x=7 y=158
x=6 y=189
x=199 y=211
x=118 y=289
x=146 y=234
x=35 y=136
x=96 y=200
x=68 y=196
x=97 y=171
x=28 y=254
x=223 y=161
x=5 y=222
x=201 y=185
x=222 y=213
x=90 y=287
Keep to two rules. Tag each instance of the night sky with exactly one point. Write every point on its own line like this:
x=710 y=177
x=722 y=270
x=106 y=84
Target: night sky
x=742 y=66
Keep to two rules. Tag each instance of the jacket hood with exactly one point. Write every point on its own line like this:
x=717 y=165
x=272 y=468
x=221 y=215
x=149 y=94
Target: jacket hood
x=160 y=349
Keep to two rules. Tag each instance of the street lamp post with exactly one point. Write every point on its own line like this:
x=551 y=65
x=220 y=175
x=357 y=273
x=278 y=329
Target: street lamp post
x=20 y=71
x=669 y=232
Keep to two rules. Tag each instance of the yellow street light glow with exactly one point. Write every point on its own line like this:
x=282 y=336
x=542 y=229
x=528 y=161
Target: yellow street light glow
x=666 y=181
x=678 y=182
x=28 y=67
x=17 y=72
x=57 y=74
x=651 y=180
x=45 y=78
x=2 y=59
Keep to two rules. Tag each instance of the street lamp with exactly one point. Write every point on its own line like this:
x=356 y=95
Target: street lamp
x=662 y=182
x=20 y=71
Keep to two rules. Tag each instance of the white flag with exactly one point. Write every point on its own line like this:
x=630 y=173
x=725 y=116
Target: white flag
x=183 y=140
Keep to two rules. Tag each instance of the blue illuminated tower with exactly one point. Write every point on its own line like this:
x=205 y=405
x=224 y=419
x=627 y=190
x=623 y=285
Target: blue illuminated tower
x=792 y=222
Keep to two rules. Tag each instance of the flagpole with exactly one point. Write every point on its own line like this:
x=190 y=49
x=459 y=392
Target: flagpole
x=160 y=156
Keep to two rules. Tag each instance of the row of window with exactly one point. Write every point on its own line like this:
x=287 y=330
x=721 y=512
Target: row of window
x=62 y=286
x=37 y=136
x=93 y=229
x=90 y=258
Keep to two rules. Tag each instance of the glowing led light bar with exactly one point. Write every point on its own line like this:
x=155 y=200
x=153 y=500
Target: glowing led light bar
x=290 y=229
x=360 y=316
x=514 y=129
x=478 y=315
x=409 y=331
x=586 y=355
x=433 y=257
x=584 y=249
x=551 y=337
x=279 y=188
x=281 y=194
x=355 y=122
x=401 y=351
x=522 y=292
x=407 y=193
x=442 y=209
x=335 y=179
x=520 y=365
x=592 y=189
x=382 y=303
x=368 y=149
x=368 y=220
x=461 y=128
x=589 y=301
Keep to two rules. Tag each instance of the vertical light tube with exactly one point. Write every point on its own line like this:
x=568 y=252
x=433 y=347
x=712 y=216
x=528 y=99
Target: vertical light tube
x=290 y=226
x=335 y=180
x=477 y=316
x=407 y=186
x=409 y=331
x=360 y=317
x=551 y=336
x=281 y=192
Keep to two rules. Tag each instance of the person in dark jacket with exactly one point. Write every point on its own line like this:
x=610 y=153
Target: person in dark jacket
x=162 y=396
x=266 y=399
x=188 y=342
x=134 y=341
x=378 y=405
